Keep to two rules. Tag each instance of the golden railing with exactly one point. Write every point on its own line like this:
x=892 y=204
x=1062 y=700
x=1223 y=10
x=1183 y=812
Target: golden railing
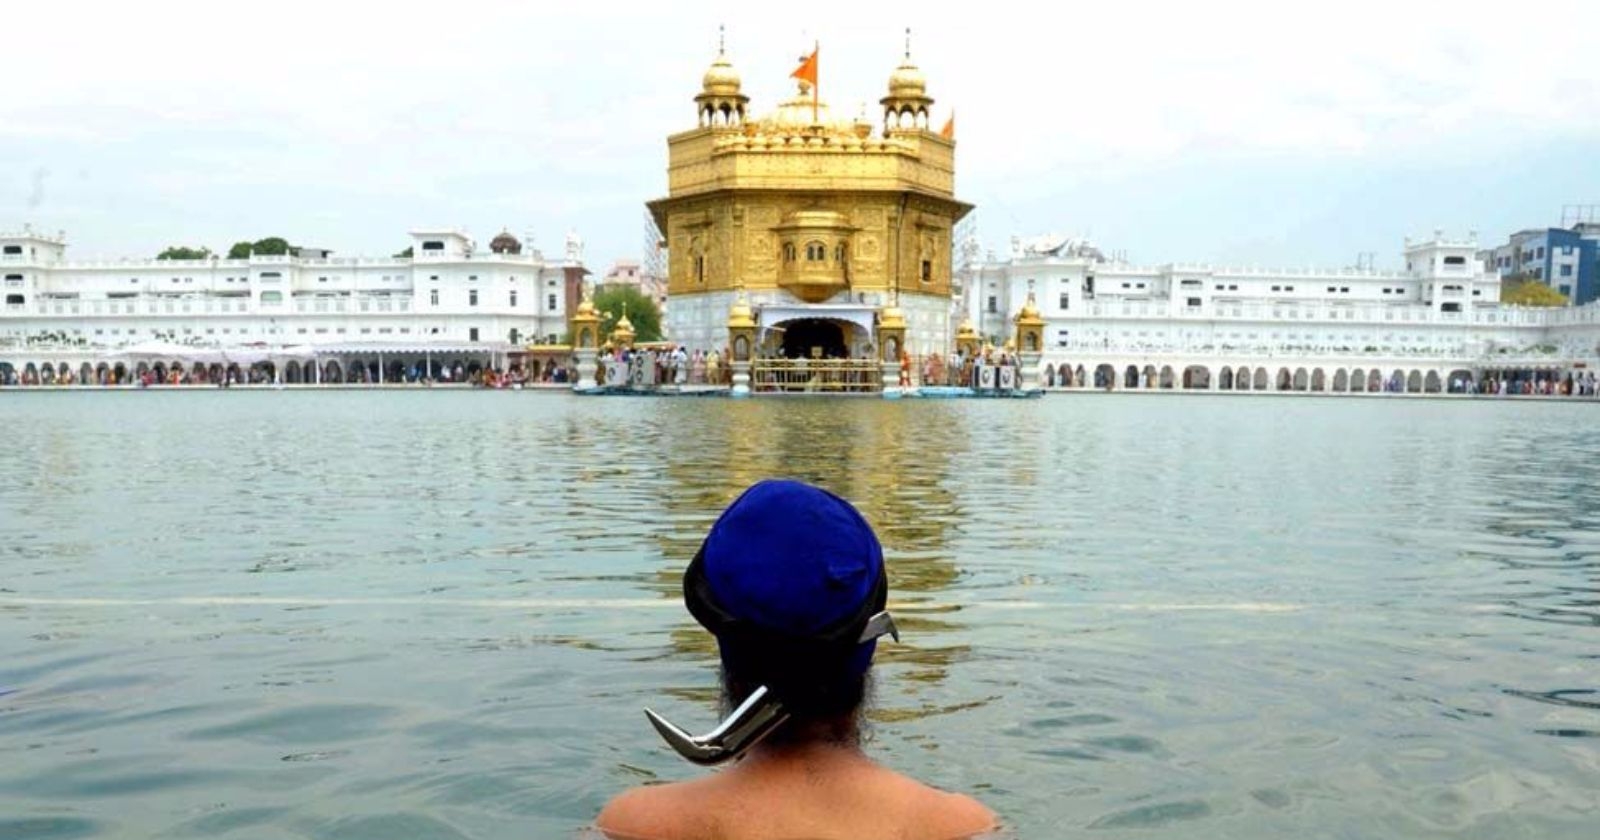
x=816 y=376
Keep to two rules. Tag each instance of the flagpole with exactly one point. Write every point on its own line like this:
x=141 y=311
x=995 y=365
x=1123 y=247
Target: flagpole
x=816 y=86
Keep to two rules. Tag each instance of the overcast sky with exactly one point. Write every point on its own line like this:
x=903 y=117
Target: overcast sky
x=1231 y=131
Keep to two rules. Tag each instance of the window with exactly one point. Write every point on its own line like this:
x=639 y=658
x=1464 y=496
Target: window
x=816 y=252
x=512 y=298
x=472 y=334
x=13 y=250
x=433 y=245
x=1455 y=260
x=472 y=297
x=472 y=278
x=1540 y=255
x=699 y=268
x=1566 y=271
x=1233 y=287
x=266 y=277
x=551 y=304
x=1332 y=289
x=15 y=300
x=1277 y=288
x=994 y=304
x=838 y=253
x=1220 y=287
x=788 y=252
x=1194 y=301
x=433 y=297
x=927 y=271
x=1344 y=290
x=322 y=279
x=272 y=298
x=1566 y=290
x=1064 y=300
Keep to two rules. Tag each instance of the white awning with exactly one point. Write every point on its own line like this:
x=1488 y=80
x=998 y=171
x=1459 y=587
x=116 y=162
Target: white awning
x=860 y=314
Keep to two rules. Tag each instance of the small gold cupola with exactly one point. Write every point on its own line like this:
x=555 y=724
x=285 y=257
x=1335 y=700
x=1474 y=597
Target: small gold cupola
x=906 y=106
x=721 y=103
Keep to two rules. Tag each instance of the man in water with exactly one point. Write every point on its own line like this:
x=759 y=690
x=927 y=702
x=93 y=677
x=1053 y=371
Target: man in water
x=791 y=581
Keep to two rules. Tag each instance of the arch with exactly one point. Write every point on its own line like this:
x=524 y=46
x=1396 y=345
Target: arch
x=102 y=374
x=1105 y=376
x=1049 y=376
x=1414 y=382
x=1077 y=376
x=1397 y=382
x=1197 y=378
x=1461 y=382
x=1431 y=384
x=332 y=371
x=1341 y=380
x=395 y=371
x=215 y=372
x=1150 y=377
x=1358 y=380
x=1319 y=380
x=291 y=372
x=1285 y=379
x=1167 y=378
x=1301 y=379
x=1375 y=381
x=1241 y=380
x=1225 y=378
x=1130 y=378
x=47 y=374
x=1261 y=380
x=119 y=374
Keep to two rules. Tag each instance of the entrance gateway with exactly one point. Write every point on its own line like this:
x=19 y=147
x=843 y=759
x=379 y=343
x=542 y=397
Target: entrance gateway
x=813 y=338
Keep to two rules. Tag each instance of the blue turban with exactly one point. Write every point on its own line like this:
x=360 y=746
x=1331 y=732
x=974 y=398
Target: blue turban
x=789 y=572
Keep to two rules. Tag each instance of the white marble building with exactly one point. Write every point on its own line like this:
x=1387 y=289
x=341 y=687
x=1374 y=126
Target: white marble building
x=449 y=297
x=1181 y=325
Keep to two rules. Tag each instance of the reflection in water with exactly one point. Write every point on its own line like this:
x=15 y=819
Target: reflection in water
x=439 y=614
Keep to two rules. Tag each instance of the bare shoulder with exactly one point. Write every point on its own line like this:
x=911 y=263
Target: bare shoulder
x=656 y=812
x=950 y=816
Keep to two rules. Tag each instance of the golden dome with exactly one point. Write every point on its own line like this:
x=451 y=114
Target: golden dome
x=721 y=79
x=1029 y=310
x=892 y=316
x=586 y=308
x=966 y=327
x=623 y=324
x=907 y=81
x=740 y=314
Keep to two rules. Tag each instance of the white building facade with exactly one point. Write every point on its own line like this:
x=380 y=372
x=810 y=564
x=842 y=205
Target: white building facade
x=1111 y=324
x=449 y=296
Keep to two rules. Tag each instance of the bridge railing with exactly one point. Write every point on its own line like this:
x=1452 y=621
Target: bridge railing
x=820 y=376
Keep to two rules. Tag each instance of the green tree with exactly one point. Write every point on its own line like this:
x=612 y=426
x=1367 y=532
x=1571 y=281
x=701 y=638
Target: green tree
x=404 y=255
x=183 y=252
x=643 y=313
x=1525 y=291
x=272 y=246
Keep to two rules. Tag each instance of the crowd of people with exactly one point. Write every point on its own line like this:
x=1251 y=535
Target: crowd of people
x=673 y=365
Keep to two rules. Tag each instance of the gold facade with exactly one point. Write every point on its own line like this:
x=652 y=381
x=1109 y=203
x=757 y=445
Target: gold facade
x=800 y=201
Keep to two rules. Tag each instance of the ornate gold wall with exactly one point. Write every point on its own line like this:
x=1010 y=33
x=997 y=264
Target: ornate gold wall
x=802 y=201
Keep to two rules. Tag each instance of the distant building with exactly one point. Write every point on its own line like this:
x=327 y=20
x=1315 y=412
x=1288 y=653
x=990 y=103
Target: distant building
x=1565 y=259
x=631 y=273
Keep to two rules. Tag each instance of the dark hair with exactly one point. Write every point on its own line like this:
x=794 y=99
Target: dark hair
x=825 y=701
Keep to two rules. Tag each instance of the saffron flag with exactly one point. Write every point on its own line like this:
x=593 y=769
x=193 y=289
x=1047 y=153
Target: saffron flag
x=949 y=130
x=807 y=70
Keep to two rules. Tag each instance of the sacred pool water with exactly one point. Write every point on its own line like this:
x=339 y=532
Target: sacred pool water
x=438 y=615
